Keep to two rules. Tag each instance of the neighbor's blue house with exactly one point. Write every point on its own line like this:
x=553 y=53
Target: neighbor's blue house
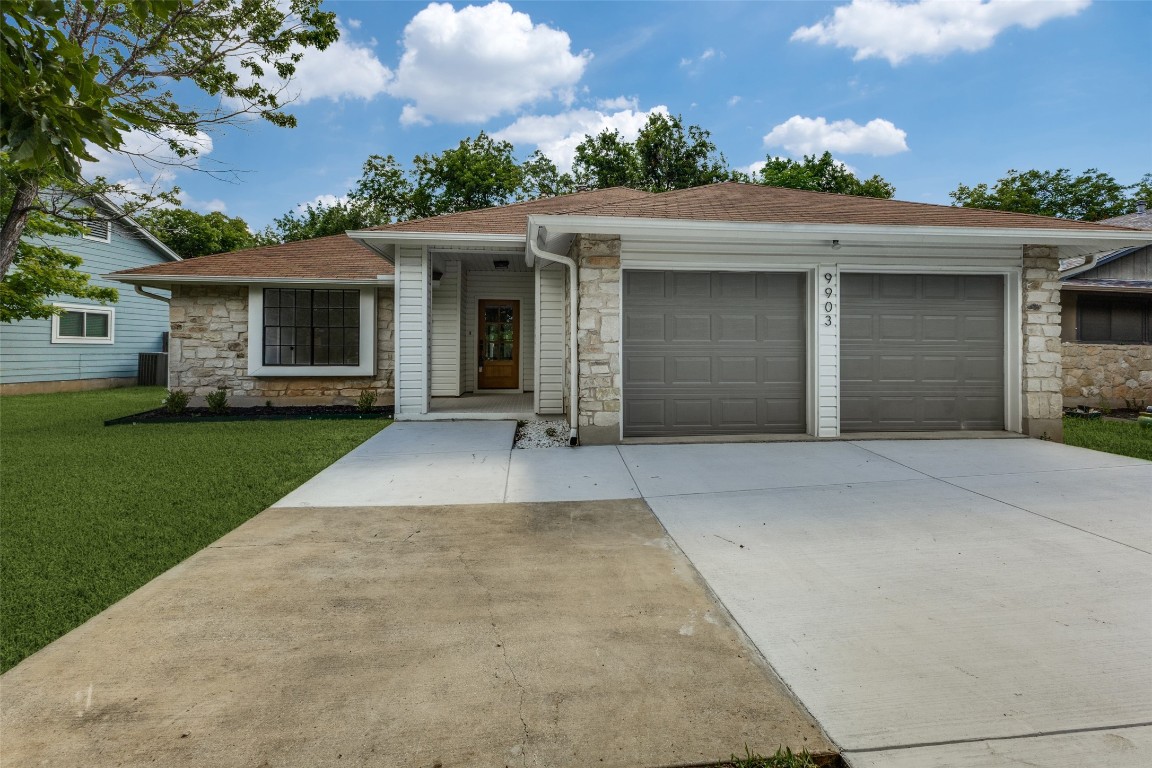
x=91 y=345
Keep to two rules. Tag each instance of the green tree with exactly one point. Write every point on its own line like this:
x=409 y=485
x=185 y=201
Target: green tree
x=76 y=73
x=1089 y=196
x=820 y=174
x=672 y=157
x=320 y=221
x=541 y=178
x=479 y=173
x=193 y=234
x=42 y=270
x=384 y=191
x=606 y=160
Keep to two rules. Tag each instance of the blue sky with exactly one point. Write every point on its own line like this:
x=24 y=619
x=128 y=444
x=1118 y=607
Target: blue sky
x=927 y=94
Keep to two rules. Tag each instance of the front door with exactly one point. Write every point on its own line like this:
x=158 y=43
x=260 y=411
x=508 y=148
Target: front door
x=498 y=358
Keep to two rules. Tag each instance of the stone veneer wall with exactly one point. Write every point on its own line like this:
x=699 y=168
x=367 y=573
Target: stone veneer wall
x=598 y=338
x=208 y=348
x=1042 y=380
x=1113 y=375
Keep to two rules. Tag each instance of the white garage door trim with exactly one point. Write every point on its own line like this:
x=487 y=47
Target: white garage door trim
x=1013 y=330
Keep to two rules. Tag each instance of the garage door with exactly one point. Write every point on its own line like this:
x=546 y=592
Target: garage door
x=921 y=352
x=713 y=353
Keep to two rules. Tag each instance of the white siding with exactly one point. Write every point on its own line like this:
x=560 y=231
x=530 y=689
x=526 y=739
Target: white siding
x=520 y=286
x=826 y=321
x=412 y=286
x=446 y=341
x=550 y=339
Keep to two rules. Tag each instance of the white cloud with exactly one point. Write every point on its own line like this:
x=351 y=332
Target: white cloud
x=345 y=69
x=557 y=136
x=754 y=168
x=481 y=61
x=353 y=23
x=322 y=201
x=815 y=135
x=734 y=101
x=898 y=31
x=620 y=102
x=204 y=206
x=688 y=62
x=145 y=161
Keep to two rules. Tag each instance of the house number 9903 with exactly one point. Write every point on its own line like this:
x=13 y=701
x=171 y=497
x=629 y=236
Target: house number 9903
x=828 y=291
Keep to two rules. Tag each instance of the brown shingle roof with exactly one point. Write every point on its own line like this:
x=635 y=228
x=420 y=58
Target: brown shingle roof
x=732 y=201
x=513 y=219
x=337 y=257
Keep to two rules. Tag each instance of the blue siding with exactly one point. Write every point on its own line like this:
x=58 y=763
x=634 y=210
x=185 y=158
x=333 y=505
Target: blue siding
x=26 y=349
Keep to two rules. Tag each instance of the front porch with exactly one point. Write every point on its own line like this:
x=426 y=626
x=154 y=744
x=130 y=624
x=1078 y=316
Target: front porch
x=499 y=406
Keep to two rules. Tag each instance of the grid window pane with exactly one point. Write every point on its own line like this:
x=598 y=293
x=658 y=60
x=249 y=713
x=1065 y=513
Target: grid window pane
x=95 y=325
x=72 y=324
x=311 y=327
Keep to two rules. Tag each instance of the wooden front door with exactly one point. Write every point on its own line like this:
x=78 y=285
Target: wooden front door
x=498 y=358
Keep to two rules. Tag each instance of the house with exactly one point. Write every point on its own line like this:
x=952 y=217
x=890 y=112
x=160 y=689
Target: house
x=91 y=345
x=719 y=310
x=1107 y=324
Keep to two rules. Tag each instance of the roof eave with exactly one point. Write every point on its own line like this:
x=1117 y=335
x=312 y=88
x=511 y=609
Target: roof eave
x=379 y=240
x=737 y=231
x=161 y=280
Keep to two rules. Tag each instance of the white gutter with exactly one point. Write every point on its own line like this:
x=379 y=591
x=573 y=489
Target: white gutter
x=573 y=316
x=234 y=280
x=758 y=232
x=147 y=295
x=376 y=239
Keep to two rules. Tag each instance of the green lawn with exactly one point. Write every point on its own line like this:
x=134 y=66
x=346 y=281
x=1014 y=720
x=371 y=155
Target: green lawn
x=1126 y=438
x=89 y=513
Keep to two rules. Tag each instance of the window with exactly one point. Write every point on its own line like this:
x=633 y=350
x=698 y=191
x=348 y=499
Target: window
x=98 y=229
x=1115 y=320
x=80 y=324
x=315 y=330
x=311 y=326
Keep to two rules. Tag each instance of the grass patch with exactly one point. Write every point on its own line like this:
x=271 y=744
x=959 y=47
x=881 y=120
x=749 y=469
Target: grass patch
x=88 y=514
x=1126 y=438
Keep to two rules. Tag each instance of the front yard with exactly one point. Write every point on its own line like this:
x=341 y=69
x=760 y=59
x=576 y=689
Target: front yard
x=1126 y=438
x=89 y=513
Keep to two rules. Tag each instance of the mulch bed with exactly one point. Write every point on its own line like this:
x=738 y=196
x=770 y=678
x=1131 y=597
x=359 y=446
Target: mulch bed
x=255 y=413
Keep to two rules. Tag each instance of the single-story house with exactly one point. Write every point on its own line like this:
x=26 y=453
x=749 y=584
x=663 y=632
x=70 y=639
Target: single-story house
x=719 y=310
x=91 y=345
x=1107 y=324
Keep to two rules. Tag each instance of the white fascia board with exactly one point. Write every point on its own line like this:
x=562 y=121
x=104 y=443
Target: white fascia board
x=233 y=280
x=138 y=228
x=377 y=240
x=738 y=231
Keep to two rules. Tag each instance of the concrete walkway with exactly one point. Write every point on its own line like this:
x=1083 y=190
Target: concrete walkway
x=933 y=603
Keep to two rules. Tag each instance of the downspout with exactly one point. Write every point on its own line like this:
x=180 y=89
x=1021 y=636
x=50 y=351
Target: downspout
x=140 y=290
x=573 y=317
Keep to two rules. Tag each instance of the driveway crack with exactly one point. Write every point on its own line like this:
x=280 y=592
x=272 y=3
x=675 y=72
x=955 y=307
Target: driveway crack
x=503 y=646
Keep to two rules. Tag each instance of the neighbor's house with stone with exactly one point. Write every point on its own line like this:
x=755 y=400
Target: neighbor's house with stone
x=91 y=345
x=720 y=310
x=1107 y=325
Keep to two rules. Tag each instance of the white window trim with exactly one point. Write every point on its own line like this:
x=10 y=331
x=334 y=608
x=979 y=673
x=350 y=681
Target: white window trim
x=256 y=367
x=89 y=309
x=107 y=238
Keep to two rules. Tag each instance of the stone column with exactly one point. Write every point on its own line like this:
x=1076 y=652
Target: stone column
x=598 y=339
x=1042 y=379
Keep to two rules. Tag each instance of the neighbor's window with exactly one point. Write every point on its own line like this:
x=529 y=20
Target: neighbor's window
x=83 y=325
x=1115 y=320
x=311 y=326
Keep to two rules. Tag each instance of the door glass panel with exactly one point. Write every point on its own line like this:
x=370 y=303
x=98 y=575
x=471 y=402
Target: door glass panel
x=499 y=333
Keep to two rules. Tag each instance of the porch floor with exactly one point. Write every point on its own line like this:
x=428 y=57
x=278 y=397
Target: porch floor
x=497 y=405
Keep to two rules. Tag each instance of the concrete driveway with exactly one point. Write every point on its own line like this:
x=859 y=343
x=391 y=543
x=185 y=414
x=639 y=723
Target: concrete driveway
x=932 y=602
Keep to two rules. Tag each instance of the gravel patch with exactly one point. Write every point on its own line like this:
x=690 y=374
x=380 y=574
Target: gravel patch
x=541 y=434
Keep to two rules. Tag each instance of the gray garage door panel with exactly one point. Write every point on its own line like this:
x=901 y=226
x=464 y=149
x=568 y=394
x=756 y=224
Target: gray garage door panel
x=713 y=353
x=921 y=352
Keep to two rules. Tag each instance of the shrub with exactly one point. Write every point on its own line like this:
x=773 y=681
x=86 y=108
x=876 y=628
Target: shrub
x=217 y=400
x=366 y=400
x=176 y=401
